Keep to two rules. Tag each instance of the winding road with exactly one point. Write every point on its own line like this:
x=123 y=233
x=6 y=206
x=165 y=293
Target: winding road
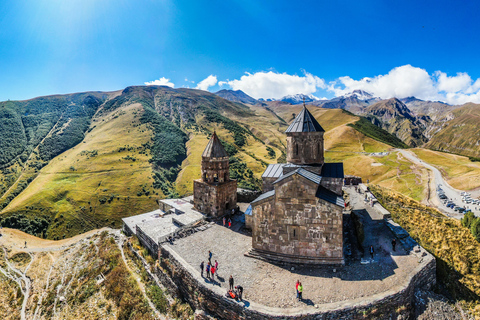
x=450 y=192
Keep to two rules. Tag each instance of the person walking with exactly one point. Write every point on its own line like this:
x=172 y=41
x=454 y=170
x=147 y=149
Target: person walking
x=240 y=292
x=210 y=256
x=296 y=287
x=230 y=282
x=300 y=291
x=216 y=266
x=201 y=269
x=229 y=222
x=372 y=251
x=25 y=244
x=208 y=270
x=224 y=221
x=212 y=270
x=394 y=243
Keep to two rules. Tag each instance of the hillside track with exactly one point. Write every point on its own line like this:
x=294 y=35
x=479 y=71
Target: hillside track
x=435 y=181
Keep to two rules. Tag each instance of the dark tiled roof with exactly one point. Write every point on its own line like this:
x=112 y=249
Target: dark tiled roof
x=332 y=170
x=214 y=148
x=264 y=196
x=304 y=173
x=273 y=170
x=305 y=122
x=332 y=197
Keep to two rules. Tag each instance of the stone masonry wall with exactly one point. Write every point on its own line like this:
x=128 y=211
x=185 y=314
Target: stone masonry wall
x=305 y=147
x=296 y=224
x=396 y=303
x=214 y=199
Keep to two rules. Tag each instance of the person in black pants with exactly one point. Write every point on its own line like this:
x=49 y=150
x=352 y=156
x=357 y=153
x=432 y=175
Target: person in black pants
x=201 y=269
x=240 y=292
x=230 y=281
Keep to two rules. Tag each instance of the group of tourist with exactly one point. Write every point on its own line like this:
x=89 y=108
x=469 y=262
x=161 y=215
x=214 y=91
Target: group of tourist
x=235 y=292
x=211 y=269
x=229 y=222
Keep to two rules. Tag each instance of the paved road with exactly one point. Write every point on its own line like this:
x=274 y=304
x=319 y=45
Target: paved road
x=450 y=192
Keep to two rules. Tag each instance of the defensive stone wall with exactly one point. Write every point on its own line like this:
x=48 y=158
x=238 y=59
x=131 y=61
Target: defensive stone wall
x=179 y=277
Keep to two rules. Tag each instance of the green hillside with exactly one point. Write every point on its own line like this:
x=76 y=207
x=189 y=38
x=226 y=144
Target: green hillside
x=86 y=160
x=461 y=134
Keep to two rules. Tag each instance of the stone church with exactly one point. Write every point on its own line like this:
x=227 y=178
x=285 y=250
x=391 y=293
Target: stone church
x=299 y=217
x=215 y=193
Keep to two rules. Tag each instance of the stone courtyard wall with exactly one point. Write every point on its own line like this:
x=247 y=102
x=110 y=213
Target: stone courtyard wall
x=179 y=277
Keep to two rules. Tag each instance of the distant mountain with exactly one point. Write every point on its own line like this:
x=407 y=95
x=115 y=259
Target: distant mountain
x=457 y=131
x=430 y=108
x=299 y=98
x=236 y=96
x=394 y=116
x=355 y=102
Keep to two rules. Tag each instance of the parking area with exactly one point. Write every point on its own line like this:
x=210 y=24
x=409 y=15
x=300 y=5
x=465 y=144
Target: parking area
x=455 y=203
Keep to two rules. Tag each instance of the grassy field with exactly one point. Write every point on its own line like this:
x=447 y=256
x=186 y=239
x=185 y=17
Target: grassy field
x=456 y=250
x=94 y=184
x=459 y=171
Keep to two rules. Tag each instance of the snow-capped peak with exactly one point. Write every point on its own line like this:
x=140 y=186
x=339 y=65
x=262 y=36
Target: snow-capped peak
x=298 y=98
x=360 y=95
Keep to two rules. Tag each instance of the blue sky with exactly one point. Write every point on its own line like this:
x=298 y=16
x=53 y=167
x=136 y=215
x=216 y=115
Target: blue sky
x=266 y=48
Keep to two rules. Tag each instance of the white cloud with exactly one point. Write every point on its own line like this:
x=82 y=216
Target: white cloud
x=209 y=81
x=161 y=82
x=406 y=81
x=460 y=82
x=400 y=82
x=275 y=85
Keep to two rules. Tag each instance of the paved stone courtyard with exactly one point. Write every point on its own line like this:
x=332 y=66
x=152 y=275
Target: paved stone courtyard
x=274 y=286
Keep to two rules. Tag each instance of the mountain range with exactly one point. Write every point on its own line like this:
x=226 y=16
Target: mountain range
x=414 y=121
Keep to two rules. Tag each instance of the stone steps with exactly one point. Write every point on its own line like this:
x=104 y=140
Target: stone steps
x=284 y=260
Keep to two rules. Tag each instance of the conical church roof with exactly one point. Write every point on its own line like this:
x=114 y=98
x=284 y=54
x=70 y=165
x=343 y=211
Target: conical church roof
x=305 y=122
x=214 y=148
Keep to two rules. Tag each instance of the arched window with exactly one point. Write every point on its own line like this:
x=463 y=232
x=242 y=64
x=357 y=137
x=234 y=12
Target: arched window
x=296 y=149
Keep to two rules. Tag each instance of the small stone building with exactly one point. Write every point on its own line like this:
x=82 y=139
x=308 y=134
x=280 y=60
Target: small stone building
x=215 y=193
x=299 y=218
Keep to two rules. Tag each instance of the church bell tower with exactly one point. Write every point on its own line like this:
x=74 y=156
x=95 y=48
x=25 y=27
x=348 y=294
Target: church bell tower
x=215 y=193
x=305 y=140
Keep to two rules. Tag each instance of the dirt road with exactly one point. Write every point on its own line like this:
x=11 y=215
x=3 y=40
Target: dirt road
x=438 y=180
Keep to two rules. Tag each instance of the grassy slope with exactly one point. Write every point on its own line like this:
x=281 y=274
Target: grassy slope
x=459 y=171
x=77 y=180
x=72 y=273
x=460 y=135
x=456 y=250
x=74 y=179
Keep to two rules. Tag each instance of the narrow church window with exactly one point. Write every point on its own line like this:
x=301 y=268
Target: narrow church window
x=294 y=233
x=319 y=151
x=296 y=149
